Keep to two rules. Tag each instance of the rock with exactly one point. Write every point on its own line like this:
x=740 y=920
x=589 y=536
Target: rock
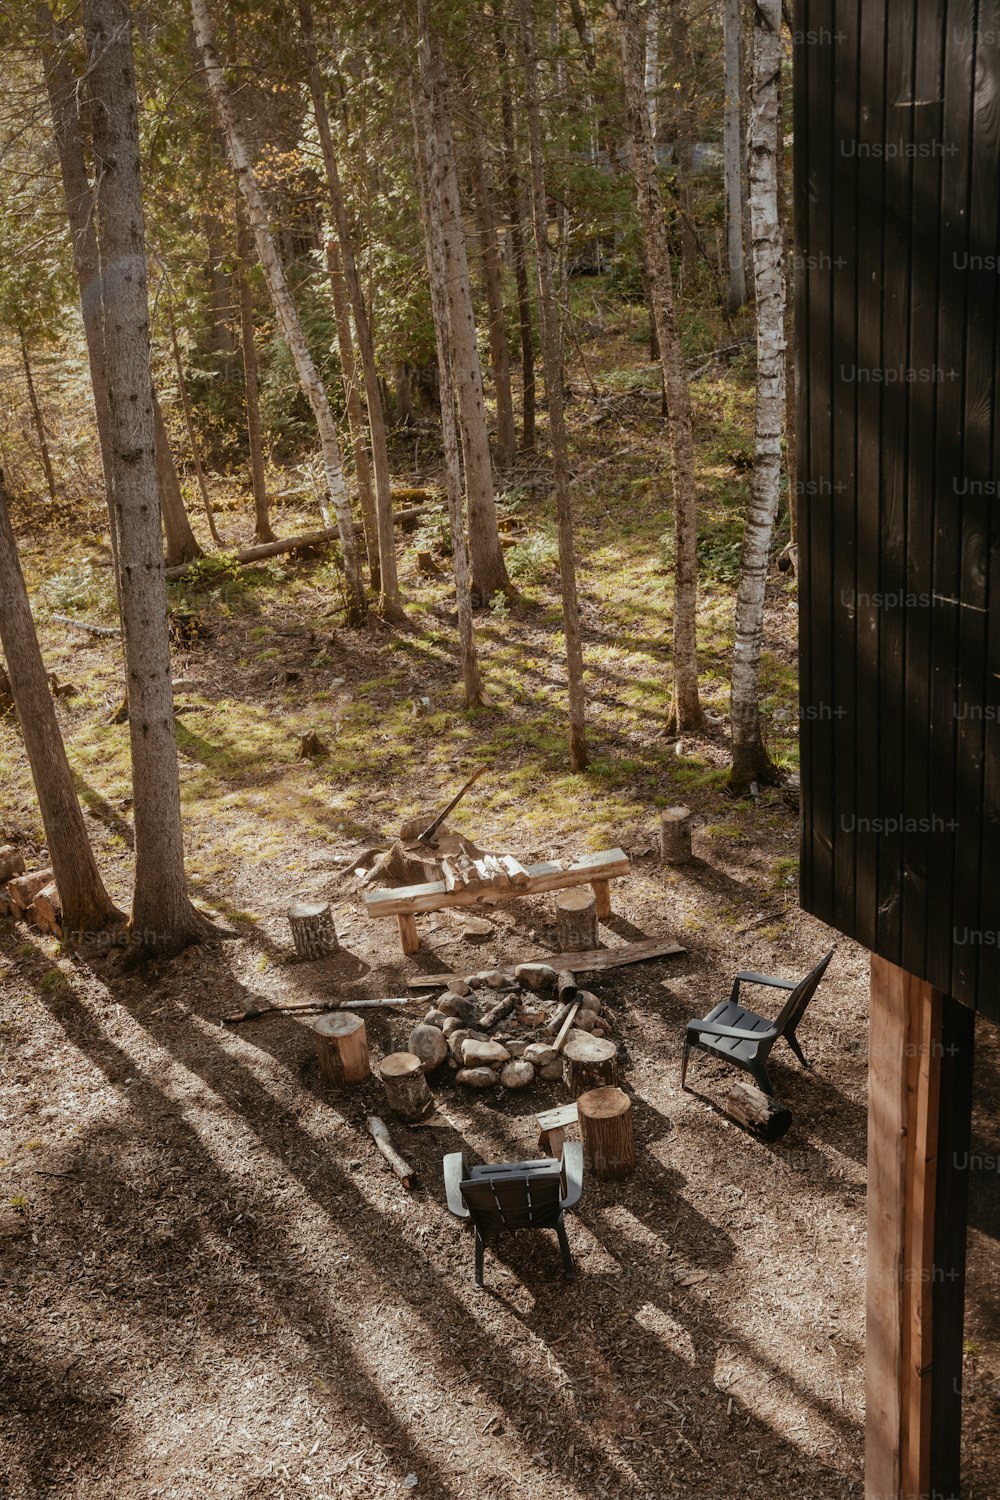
x=435 y=1018
x=476 y=927
x=536 y=976
x=454 y=1064
x=428 y=1043
x=477 y=979
x=517 y=1074
x=457 y=1005
x=459 y=987
x=456 y=1038
x=552 y=1071
x=539 y=1055
x=450 y=1025
x=476 y=1078
x=476 y=1054
x=585 y=1020
x=497 y=980
x=516 y=1049
x=589 y=1002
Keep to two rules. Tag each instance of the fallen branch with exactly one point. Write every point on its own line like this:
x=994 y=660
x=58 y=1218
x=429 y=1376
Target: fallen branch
x=87 y=627
x=310 y=1007
x=292 y=544
x=383 y=1140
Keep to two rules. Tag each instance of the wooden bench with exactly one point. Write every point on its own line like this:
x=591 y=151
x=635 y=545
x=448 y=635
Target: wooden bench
x=406 y=902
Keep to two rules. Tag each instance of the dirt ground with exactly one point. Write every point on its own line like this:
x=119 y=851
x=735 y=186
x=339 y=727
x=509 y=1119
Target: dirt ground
x=214 y=1286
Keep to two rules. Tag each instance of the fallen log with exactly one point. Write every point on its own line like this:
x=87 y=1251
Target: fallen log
x=24 y=888
x=766 y=1118
x=591 y=962
x=383 y=1140
x=11 y=863
x=86 y=626
x=293 y=543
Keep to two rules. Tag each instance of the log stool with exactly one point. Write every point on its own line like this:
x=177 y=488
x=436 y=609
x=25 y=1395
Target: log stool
x=675 y=835
x=590 y=1062
x=576 y=919
x=406 y=1090
x=606 y=1132
x=342 y=1048
x=313 y=932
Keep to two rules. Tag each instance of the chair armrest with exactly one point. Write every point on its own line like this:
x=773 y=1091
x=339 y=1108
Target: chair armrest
x=454 y=1171
x=572 y=1174
x=715 y=1028
x=747 y=976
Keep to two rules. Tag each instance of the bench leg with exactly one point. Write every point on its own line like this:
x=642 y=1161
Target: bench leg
x=409 y=937
x=602 y=893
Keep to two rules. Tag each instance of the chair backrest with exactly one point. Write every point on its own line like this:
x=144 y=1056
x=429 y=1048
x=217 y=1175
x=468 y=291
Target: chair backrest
x=792 y=1011
x=513 y=1199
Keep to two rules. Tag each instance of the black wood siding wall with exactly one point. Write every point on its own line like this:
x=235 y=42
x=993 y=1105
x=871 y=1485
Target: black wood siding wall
x=897 y=161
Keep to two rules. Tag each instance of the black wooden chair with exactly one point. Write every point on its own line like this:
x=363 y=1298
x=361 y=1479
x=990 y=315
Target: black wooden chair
x=744 y=1038
x=516 y=1195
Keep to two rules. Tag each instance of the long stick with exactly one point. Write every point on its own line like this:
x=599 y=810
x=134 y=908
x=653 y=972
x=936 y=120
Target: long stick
x=311 y=1007
x=383 y=1140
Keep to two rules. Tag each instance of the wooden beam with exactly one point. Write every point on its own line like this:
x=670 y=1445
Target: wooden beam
x=595 y=960
x=919 y=1101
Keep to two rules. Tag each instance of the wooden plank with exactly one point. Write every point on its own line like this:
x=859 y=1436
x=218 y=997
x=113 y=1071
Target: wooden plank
x=432 y=895
x=593 y=961
x=924 y=1023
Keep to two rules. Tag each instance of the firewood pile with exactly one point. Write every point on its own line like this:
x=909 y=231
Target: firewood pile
x=29 y=897
x=496 y=1028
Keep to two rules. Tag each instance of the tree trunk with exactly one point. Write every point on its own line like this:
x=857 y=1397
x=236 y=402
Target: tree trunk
x=309 y=378
x=750 y=758
x=686 y=711
x=732 y=155
x=222 y=341
x=355 y=414
x=651 y=72
x=390 y=601
x=516 y=214
x=683 y=128
x=251 y=380
x=181 y=543
x=473 y=691
x=552 y=357
x=87 y=907
x=36 y=414
x=163 y=919
x=192 y=436
x=506 y=438
x=788 y=243
x=489 y=571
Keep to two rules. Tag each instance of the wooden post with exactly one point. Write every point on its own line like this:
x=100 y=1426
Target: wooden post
x=576 y=919
x=607 y=1133
x=675 y=835
x=602 y=895
x=313 y=932
x=591 y=1062
x=402 y=1075
x=409 y=937
x=342 y=1048
x=916 y=1263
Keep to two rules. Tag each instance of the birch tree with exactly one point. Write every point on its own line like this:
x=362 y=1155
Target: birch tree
x=489 y=570
x=251 y=378
x=86 y=906
x=552 y=358
x=163 y=919
x=285 y=310
x=731 y=154
x=750 y=757
x=686 y=710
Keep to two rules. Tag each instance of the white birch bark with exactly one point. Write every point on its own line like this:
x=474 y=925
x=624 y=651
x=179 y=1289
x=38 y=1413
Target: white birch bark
x=651 y=77
x=750 y=758
x=309 y=378
x=686 y=711
x=731 y=154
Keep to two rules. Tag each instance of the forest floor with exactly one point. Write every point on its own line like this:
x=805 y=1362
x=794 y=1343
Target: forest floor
x=212 y=1285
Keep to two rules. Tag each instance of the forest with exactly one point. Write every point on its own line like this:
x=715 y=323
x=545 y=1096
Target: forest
x=398 y=623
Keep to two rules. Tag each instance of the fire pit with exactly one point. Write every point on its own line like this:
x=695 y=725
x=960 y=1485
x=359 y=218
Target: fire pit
x=494 y=1027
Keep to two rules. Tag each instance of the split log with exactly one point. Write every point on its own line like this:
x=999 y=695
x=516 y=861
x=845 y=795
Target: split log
x=499 y=878
x=409 y=937
x=383 y=1140
x=452 y=880
x=405 y=1085
x=46 y=910
x=576 y=918
x=591 y=1062
x=675 y=835
x=342 y=1048
x=24 y=889
x=471 y=879
x=11 y=863
x=518 y=875
x=313 y=932
x=607 y=1133
x=765 y=1117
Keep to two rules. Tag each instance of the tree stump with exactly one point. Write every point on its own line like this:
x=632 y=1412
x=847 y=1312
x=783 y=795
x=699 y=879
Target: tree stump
x=591 y=1062
x=675 y=835
x=342 y=1048
x=766 y=1118
x=313 y=932
x=606 y=1132
x=406 y=1089
x=576 y=919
